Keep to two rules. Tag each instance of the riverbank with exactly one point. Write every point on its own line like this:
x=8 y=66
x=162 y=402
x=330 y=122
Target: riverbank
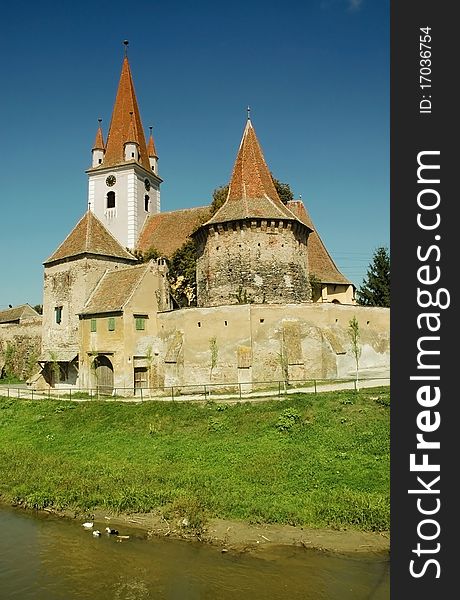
x=235 y=536
x=223 y=472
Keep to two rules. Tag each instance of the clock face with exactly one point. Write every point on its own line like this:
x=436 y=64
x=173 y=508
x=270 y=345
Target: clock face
x=147 y=184
x=111 y=180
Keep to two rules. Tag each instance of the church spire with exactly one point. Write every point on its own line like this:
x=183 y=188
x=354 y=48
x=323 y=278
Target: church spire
x=152 y=152
x=98 y=146
x=125 y=125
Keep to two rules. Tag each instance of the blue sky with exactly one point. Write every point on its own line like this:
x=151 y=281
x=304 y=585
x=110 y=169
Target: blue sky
x=315 y=73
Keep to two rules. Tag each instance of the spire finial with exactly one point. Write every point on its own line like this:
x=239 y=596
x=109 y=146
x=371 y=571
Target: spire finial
x=99 y=121
x=126 y=44
x=150 y=127
x=249 y=112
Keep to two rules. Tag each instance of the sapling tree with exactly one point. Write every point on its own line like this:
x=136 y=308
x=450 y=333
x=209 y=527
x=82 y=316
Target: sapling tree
x=355 y=339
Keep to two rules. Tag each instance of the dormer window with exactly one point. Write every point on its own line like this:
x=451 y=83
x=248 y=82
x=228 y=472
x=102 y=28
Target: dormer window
x=110 y=199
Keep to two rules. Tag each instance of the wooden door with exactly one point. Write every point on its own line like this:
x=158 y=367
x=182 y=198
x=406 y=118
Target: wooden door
x=104 y=374
x=140 y=377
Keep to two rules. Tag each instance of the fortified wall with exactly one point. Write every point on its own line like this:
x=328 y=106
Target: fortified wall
x=20 y=347
x=258 y=343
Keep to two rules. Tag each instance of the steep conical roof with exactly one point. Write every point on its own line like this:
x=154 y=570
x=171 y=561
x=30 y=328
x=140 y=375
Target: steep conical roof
x=152 y=151
x=121 y=127
x=99 y=141
x=252 y=193
x=89 y=236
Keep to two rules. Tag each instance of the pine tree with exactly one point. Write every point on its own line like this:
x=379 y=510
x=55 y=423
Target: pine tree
x=375 y=290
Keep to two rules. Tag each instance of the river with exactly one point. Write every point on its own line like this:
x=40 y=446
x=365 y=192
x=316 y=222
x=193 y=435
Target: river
x=43 y=557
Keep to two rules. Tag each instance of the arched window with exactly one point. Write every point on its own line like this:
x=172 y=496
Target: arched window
x=110 y=199
x=146 y=202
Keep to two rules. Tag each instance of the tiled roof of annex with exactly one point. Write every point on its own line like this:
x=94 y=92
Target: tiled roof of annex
x=115 y=289
x=168 y=231
x=14 y=314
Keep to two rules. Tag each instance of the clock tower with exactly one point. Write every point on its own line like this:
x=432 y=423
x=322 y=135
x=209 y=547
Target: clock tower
x=124 y=186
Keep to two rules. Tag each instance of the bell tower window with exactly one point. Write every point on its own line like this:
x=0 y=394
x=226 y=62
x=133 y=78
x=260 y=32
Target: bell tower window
x=146 y=202
x=110 y=199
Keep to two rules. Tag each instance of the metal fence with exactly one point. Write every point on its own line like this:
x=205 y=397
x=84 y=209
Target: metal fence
x=198 y=392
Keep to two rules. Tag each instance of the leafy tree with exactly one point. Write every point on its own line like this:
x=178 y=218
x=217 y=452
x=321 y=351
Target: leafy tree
x=284 y=190
x=375 y=290
x=182 y=273
x=219 y=196
x=143 y=257
x=38 y=308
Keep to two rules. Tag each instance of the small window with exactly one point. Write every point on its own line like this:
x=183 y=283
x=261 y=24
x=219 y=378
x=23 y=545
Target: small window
x=261 y=320
x=110 y=199
x=93 y=325
x=199 y=323
x=132 y=154
x=58 y=314
x=146 y=202
x=111 y=323
x=140 y=323
x=100 y=161
x=225 y=323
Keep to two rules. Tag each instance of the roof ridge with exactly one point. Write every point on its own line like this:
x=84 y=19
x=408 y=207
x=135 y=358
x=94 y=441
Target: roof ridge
x=98 y=284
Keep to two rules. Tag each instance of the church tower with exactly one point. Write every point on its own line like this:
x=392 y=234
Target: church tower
x=254 y=248
x=124 y=185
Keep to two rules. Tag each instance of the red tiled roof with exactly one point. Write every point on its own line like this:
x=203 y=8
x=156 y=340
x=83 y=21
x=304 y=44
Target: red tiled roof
x=99 y=141
x=320 y=262
x=152 y=151
x=89 y=236
x=251 y=193
x=168 y=231
x=119 y=131
x=115 y=289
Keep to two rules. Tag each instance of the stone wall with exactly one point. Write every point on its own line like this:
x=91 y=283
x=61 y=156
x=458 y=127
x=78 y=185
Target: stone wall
x=259 y=343
x=258 y=261
x=20 y=346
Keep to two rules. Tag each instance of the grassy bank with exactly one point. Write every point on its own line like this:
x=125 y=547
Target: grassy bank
x=314 y=460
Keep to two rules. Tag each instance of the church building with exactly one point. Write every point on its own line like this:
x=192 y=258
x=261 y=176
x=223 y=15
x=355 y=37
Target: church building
x=107 y=318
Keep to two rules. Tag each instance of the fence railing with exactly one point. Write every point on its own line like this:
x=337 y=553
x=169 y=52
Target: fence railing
x=203 y=392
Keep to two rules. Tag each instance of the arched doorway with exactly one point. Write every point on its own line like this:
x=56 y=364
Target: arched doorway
x=103 y=370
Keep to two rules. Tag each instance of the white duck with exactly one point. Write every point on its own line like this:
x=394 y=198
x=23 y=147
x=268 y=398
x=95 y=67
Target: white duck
x=96 y=533
x=88 y=525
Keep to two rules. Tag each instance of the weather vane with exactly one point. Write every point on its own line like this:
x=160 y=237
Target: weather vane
x=249 y=112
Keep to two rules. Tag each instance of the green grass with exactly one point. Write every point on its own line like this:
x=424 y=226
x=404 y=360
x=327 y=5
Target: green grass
x=314 y=460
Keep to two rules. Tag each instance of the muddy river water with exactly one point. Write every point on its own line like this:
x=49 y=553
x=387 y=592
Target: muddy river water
x=43 y=557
